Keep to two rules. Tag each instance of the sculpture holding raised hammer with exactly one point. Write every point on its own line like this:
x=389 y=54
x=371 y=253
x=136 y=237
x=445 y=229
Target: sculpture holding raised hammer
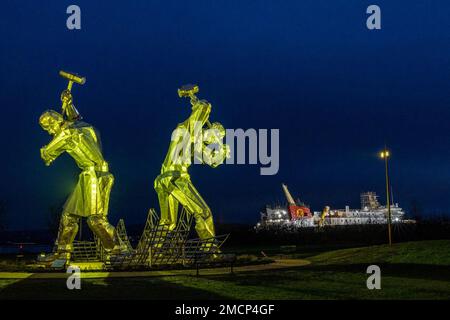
x=174 y=185
x=90 y=198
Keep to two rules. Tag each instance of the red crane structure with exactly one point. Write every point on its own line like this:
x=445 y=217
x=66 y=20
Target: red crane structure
x=296 y=210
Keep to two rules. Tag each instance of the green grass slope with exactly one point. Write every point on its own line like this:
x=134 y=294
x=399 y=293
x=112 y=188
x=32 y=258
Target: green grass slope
x=421 y=252
x=412 y=270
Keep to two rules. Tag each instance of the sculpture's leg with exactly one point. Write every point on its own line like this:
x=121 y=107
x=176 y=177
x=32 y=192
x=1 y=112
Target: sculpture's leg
x=106 y=181
x=173 y=209
x=167 y=216
x=97 y=193
x=167 y=203
x=67 y=231
x=104 y=231
x=68 y=228
x=191 y=199
x=204 y=227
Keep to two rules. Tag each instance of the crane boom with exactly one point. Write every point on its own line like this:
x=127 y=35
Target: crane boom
x=288 y=195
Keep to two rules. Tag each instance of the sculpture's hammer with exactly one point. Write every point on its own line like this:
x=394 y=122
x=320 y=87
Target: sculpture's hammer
x=68 y=109
x=72 y=77
x=189 y=90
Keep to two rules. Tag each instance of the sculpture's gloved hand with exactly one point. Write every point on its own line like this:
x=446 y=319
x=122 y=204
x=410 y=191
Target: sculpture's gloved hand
x=44 y=155
x=66 y=97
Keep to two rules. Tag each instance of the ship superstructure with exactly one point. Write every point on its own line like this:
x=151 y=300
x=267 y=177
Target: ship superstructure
x=296 y=214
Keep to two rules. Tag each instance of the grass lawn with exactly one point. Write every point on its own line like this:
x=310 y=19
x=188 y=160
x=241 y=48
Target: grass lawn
x=412 y=270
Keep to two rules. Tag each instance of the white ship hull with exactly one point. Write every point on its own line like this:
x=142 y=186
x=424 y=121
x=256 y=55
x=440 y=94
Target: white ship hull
x=279 y=216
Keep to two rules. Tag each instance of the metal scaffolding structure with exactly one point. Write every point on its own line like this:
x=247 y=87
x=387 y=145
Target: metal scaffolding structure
x=86 y=251
x=369 y=200
x=158 y=246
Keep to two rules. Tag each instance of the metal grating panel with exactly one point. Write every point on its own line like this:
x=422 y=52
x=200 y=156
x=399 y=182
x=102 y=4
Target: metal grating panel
x=158 y=245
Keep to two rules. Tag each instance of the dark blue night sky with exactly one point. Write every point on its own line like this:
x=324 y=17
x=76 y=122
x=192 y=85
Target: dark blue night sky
x=336 y=91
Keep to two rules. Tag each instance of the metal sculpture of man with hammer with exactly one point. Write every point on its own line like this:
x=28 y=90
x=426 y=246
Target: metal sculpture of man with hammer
x=90 y=199
x=174 y=185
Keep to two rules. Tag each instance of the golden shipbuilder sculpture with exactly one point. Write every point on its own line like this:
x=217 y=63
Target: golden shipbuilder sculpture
x=190 y=143
x=90 y=198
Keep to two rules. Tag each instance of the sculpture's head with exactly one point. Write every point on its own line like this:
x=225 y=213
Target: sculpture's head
x=214 y=134
x=219 y=129
x=51 y=121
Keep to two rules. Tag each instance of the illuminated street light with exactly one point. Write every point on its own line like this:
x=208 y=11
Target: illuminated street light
x=385 y=155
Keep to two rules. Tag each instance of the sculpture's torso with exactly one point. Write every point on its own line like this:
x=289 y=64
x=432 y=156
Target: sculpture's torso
x=85 y=147
x=81 y=141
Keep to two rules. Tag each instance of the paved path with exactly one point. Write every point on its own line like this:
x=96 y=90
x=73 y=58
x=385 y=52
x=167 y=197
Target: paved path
x=277 y=264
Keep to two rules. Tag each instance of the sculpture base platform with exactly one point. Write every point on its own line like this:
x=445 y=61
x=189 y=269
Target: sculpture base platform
x=88 y=266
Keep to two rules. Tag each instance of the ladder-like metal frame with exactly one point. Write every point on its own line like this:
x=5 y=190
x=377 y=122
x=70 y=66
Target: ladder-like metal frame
x=159 y=245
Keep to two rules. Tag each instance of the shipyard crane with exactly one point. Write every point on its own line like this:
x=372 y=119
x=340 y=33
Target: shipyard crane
x=296 y=210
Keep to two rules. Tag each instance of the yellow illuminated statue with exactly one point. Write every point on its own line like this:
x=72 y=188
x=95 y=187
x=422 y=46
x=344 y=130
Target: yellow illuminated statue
x=323 y=215
x=90 y=198
x=190 y=143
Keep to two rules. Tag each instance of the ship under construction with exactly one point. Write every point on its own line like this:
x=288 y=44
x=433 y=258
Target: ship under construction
x=297 y=214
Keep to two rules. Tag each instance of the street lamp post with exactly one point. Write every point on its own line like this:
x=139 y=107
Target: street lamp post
x=385 y=155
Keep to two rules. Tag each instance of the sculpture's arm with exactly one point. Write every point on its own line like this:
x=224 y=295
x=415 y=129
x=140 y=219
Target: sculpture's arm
x=68 y=108
x=199 y=117
x=56 y=147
